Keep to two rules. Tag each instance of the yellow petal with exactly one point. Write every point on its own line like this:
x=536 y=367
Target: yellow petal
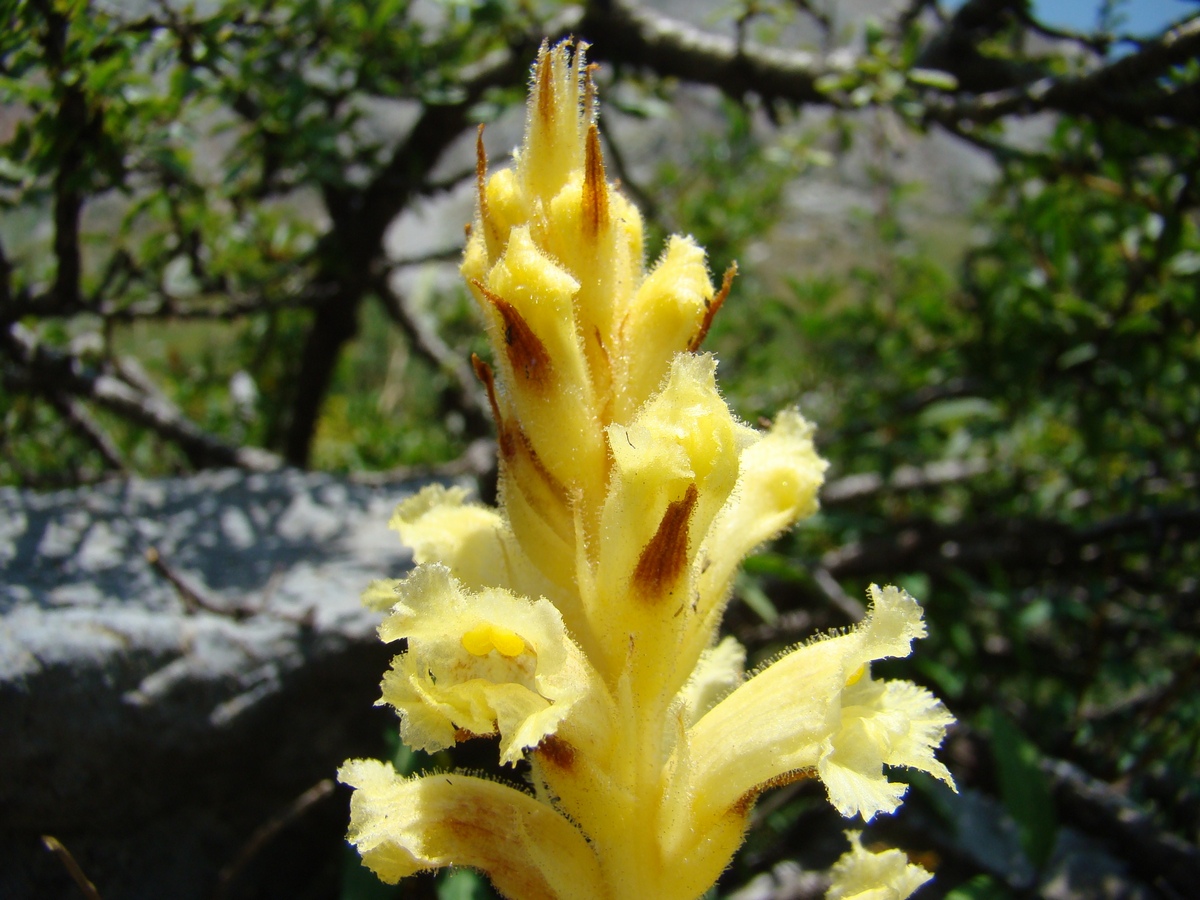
x=718 y=672
x=665 y=314
x=403 y=826
x=771 y=725
x=893 y=723
x=596 y=235
x=381 y=595
x=480 y=662
x=684 y=435
x=863 y=875
x=778 y=480
x=673 y=468
x=555 y=124
x=812 y=710
x=470 y=539
x=529 y=300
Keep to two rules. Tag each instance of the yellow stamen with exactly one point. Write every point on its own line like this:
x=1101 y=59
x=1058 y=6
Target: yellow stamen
x=482 y=639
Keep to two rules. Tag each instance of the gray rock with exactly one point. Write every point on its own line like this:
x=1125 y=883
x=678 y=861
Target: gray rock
x=153 y=718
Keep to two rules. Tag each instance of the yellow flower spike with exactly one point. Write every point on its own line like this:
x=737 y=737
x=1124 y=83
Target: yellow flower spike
x=402 y=826
x=863 y=875
x=577 y=622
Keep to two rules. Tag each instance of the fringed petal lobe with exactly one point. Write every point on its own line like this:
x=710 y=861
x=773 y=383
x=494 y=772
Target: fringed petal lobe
x=862 y=875
x=401 y=826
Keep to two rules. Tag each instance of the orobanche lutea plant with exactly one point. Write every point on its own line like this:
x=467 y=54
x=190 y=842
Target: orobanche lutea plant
x=578 y=622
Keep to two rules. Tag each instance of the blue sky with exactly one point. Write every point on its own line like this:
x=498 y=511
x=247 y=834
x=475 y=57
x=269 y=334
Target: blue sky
x=1142 y=17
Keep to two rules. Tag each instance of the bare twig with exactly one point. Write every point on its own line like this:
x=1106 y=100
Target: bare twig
x=446 y=254
x=912 y=12
x=907 y=478
x=821 y=16
x=193 y=598
x=852 y=608
x=792 y=625
x=55 y=846
x=92 y=431
x=425 y=339
x=75 y=120
x=1096 y=43
x=1101 y=809
x=787 y=880
x=166 y=306
x=267 y=831
x=630 y=35
x=928 y=546
x=649 y=206
x=623 y=33
x=6 y=297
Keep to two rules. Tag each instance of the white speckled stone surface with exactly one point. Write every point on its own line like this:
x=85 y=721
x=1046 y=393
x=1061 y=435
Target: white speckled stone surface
x=152 y=737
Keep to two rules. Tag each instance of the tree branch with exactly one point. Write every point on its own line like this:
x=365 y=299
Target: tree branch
x=86 y=425
x=422 y=334
x=620 y=33
x=1031 y=543
x=52 y=371
x=907 y=478
x=1105 y=812
x=1112 y=91
x=168 y=306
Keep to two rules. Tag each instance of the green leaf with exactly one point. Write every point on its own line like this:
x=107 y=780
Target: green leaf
x=1023 y=787
x=957 y=410
x=943 y=81
x=755 y=598
x=360 y=883
x=464 y=884
x=981 y=887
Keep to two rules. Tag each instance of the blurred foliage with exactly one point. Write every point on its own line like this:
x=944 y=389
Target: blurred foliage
x=179 y=199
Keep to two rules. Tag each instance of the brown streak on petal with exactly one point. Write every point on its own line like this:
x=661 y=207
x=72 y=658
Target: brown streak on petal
x=664 y=559
x=491 y=838
x=526 y=353
x=595 y=188
x=481 y=173
x=556 y=752
x=552 y=484
x=484 y=373
x=746 y=802
x=461 y=734
x=545 y=87
x=603 y=378
x=712 y=307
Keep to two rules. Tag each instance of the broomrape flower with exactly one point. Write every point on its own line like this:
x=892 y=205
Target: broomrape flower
x=577 y=622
